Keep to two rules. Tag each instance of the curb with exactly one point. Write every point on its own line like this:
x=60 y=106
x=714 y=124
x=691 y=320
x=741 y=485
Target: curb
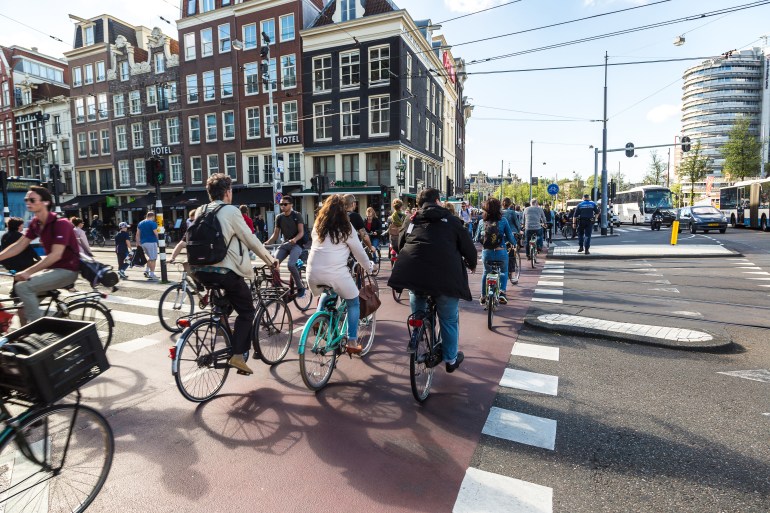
x=717 y=341
x=593 y=256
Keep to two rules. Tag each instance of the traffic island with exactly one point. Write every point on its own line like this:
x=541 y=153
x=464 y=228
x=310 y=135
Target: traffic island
x=646 y=251
x=662 y=336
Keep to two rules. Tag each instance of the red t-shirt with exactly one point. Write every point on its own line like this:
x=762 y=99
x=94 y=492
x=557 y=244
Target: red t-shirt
x=249 y=222
x=57 y=231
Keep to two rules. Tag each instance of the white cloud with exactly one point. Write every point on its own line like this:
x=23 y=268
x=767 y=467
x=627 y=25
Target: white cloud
x=663 y=113
x=470 y=5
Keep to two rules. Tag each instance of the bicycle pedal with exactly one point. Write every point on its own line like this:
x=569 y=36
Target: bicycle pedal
x=244 y=373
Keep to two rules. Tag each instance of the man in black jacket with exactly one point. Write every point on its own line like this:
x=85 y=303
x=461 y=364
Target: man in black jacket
x=434 y=251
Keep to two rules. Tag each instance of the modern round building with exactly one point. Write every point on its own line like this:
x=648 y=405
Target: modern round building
x=718 y=92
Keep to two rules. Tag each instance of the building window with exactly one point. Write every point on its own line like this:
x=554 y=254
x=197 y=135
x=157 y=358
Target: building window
x=432 y=99
x=408 y=121
x=208 y=5
x=170 y=88
x=350 y=167
x=268 y=168
x=160 y=62
x=226 y=82
x=378 y=168
x=230 y=168
x=172 y=130
x=135 y=102
x=250 y=36
x=88 y=70
x=124 y=172
x=213 y=164
x=379 y=65
x=207 y=44
x=322 y=74
x=324 y=165
x=251 y=77
x=268 y=27
x=287 y=27
x=91 y=108
x=290 y=118
x=140 y=175
x=82 y=146
x=65 y=152
x=288 y=72
x=427 y=134
x=192 y=88
x=137 y=135
x=121 y=143
x=350 y=112
x=432 y=138
x=408 y=72
x=379 y=115
x=350 y=69
x=9 y=133
x=93 y=143
x=253 y=169
x=295 y=174
x=322 y=124
x=273 y=77
x=175 y=165
x=348 y=10
x=228 y=125
x=6 y=94
x=105 y=136
x=80 y=110
x=155 y=133
x=253 y=123
x=196 y=166
x=211 y=127
x=271 y=119
x=125 y=72
x=209 y=89
x=189 y=46
x=224 y=38
x=152 y=96
x=439 y=142
x=102 y=106
x=77 y=77
x=88 y=35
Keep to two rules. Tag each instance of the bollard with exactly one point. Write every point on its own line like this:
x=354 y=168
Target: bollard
x=674 y=232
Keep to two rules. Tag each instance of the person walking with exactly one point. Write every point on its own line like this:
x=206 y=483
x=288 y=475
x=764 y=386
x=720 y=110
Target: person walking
x=147 y=235
x=77 y=223
x=585 y=212
x=122 y=248
x=396 y=222
x=260 y=226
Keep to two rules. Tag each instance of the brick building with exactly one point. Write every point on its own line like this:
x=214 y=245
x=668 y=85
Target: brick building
x=7 y=138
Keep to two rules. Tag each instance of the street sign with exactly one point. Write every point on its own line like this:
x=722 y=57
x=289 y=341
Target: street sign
x=553 y=189
x=630 y=150
x=278 y=197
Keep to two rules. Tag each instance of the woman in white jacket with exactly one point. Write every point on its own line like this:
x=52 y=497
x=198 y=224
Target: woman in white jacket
x=333 y=240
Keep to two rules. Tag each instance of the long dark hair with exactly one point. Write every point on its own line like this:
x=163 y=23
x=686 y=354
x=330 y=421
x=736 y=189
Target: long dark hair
x=492 y=210
x=333 y=221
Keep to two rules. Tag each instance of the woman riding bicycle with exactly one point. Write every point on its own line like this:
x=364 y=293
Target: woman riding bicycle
x=495 y=232
x=333 y=241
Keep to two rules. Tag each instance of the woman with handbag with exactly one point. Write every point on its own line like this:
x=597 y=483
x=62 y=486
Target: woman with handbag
x=333 y=241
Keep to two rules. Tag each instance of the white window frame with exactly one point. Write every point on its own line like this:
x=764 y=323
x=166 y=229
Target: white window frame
x=347 y=110
x=102 y=107
x=195 y=90
x=250 y=44
x=88 y=35
x=88 y=74
x=173 y=132
x=124 y=172
x=293 y=27
x=225 y=125
x=77 y=76
x=287 y=118
x=324 y=119
x=189 y=46
x=191 y=131
x=151 y=94
x=93 y=143
x=212 y=87
x=323 y=70
x=159 y=61
x=408 y=72
x=207 y=42
x=225 y=78
x=82 y=145
x=262 y=29
x=207 y=118
x=134 y=133
x=408 y=121
x=233 y=168
x=156 y=133
x=196 y=169
x=251 y=72
x=80 y=110
x=104 y=135
x=101 y=71
x=346 y=70
x=372 y=110
x=121 y=138
x=91 y=108
x=251 y=174
x=125 y=71
x=176 y=171
x=250 y=118
x=135 y=99
x=375 y=65
x=209 y=168
x=140 y=172
x=225 y=43
x=288 y=71
x=272 y=74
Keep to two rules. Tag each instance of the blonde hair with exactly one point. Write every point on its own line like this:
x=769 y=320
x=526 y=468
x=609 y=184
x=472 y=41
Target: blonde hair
x=371 y=211
x=397 y=204
x=451 y=207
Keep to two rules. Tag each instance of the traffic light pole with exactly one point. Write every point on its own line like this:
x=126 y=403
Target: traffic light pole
x=277 y=183
x=162 y=238
x=604 y=153
x=6 y=210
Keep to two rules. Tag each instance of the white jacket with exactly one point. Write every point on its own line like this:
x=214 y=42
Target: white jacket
x=328 y=264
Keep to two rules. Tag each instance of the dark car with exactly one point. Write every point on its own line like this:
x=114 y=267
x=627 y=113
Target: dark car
x=704 y=217
x=668 y=216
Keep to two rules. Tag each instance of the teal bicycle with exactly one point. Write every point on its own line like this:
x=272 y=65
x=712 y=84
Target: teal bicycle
x=324 y=340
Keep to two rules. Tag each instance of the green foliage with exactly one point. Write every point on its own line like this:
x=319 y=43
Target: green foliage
x=655 y=171
x=694 y=168
x=742 y=152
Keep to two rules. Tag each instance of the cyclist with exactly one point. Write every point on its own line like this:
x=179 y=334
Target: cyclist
x=534 y=219
x=509 y=214
x=495 y=231
x=289 y=225
x=61 y=264
x=434 y=250
x=327 y=265
x=26 y=258
x=396 y=222
x=229 y=274
x=373 y=227
x=465 y=215
x=357 y=221
x=585 y=213
x=96 y=226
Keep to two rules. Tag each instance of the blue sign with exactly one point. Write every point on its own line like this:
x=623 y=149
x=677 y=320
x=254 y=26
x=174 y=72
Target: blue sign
x=553 y=189
x=278 y=197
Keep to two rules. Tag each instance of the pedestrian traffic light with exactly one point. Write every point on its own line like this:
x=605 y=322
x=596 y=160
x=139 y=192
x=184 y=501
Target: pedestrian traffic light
x=613 y=189
x=685 y=143
x=314 y=184
x=156 y=171
x=384 y=190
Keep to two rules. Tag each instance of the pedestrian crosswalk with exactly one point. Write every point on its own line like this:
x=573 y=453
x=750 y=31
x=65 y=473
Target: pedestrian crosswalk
x=627 y=229
x=550 y=286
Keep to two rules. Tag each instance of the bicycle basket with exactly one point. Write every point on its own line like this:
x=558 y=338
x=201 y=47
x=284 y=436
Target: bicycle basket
x=50 y=358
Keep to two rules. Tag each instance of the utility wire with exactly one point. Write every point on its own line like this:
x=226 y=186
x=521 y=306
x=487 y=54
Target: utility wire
x=572 y=118
x=478 y=12
x=35 y=29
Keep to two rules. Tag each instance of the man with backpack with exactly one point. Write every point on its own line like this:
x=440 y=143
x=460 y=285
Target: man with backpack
x=289 y=225
x=494 y=232
x=218 y=245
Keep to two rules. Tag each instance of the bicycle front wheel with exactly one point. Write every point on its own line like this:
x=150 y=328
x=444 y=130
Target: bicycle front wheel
x=420 y=374
x=53 y=465
x=101 y=241
x=273 y=330
x=491 y=305
x=514 y=266
x=200 y=373
x=317 y=358
x=306 y=302
x=176 y=302
x=96 y=313
x=366 y=330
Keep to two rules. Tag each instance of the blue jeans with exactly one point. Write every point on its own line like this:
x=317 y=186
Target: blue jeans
x=293 y=251
x=448 y=310
x=489 y=255
x=354 y=310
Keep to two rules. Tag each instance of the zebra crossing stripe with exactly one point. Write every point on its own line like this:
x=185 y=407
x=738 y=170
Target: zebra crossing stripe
x=134 y=345
x=530 y=381
x=535 y=351
x=487 y=492
x=521 y=428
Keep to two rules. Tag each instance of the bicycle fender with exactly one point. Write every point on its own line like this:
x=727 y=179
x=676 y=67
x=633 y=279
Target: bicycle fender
x=303 y=337
x=175 y=361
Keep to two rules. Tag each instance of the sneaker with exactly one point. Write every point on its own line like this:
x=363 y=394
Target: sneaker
x=123 y=275
x=580 y=250
x=587 y=252
x=152 y=276
x=146 y=274
x=239 y=363
x=451 y=367
x=482 y=300
x=503 y=300
x=302 y=294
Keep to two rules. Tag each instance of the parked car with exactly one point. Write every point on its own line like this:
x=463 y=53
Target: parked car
x=703 y=217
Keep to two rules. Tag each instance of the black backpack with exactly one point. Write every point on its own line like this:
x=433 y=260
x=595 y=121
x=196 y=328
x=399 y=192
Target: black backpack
x=205 y=241
x=491 y=238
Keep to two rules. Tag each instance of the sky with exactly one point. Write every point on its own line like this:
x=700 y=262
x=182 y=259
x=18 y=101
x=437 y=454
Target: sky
x=559 y=110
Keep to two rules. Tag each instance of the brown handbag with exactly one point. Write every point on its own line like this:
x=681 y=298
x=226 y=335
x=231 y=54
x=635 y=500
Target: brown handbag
x=368 y=295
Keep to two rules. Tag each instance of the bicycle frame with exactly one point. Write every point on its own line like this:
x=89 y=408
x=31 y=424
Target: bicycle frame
x=338 y=324
x=216 y=314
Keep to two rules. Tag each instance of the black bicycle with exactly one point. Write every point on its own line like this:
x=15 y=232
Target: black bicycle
x=95 y=238
x=425 y=350
x=514 y=261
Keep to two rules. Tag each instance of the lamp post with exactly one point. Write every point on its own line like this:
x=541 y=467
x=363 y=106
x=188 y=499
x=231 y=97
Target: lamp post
x=531 y=143
x=604 y=151
x=277 y=183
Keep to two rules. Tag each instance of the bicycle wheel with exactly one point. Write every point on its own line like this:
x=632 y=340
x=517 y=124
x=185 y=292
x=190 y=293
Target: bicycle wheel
x=316 y=358
x=491 y=305
x=376 y=268
x=53 y=465
x=101 y=241
x=306 y=302
x=176 y=302
x=514 y=266
x=398 y=296
x=420 y=375
x=272 y=331
x=366 y=331
x=198 y=376
x=97 y=313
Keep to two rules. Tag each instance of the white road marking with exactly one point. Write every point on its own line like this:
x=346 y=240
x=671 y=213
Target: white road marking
x=492 y=493
x=645 y=330
x=755 y=268
x=667 y=289
x=134 y=318
x=134 y=345
x=550 y=284
x=765 y=279
x=521 y=428
x=553 y=271
x=530 y=381
x=757 y=272
x=535 y=351
x=144 y=303
x=549 y=291
x=762 y=375
x=546 y=300
x=688 y=314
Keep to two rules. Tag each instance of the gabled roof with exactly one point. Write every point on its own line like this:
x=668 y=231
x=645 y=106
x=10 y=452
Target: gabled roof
x=371 y=7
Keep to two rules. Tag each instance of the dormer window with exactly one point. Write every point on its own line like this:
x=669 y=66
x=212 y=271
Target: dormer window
x=348 y=9
x=88 y=35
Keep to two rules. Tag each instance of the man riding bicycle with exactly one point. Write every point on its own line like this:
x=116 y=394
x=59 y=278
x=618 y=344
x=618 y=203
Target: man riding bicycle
x=434 y=250
x=289 y=225
x=534 y=220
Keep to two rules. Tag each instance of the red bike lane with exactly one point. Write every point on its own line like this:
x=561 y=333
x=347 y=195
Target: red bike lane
x=266 y=443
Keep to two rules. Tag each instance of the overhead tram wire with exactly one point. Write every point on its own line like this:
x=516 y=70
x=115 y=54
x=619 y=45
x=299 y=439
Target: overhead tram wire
x=35 y=29
x=479 y=12
x=584 y=66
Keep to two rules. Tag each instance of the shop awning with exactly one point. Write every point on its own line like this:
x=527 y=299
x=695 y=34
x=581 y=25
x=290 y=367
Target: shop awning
x=362 y=191
x=146 y=202
x=83 y=201
x=305 y=192
x=191 y=199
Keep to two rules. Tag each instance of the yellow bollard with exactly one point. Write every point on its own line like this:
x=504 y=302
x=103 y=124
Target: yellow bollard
x=674 y=232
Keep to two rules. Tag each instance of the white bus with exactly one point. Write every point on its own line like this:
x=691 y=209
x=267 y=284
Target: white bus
x=636 y=205
x=747 y=204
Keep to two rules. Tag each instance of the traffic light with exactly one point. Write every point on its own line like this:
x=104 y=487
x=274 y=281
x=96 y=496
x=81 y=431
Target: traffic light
x=314 y=184
x=149 y=168
x=385 y=191
x=160 y=171
x=613 y=189
x=156 y=171
x=450 y=187
x=55 y=172
x=630 y=150
x=685 y=143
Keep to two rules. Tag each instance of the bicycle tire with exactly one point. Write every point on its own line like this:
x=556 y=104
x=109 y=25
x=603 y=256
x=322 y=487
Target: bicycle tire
x=42 y=438
x=420 y=375
x=93 y=311
x=101 y=242
x=272 y=331
x=178 y=294
x=377 y=264
x=398 y=296
x=316 y=359
x=491 y=304
x=306 y=302
x=194 y=365
x=366 y=331
x=514 y=266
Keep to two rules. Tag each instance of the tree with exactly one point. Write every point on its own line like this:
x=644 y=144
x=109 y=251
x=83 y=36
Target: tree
x=742 y=152
x=655 y=170
x=694 y=168
x=620 y=181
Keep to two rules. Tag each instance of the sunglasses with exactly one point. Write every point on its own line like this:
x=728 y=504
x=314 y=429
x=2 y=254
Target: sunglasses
x=284 y=204
x=30 y=200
